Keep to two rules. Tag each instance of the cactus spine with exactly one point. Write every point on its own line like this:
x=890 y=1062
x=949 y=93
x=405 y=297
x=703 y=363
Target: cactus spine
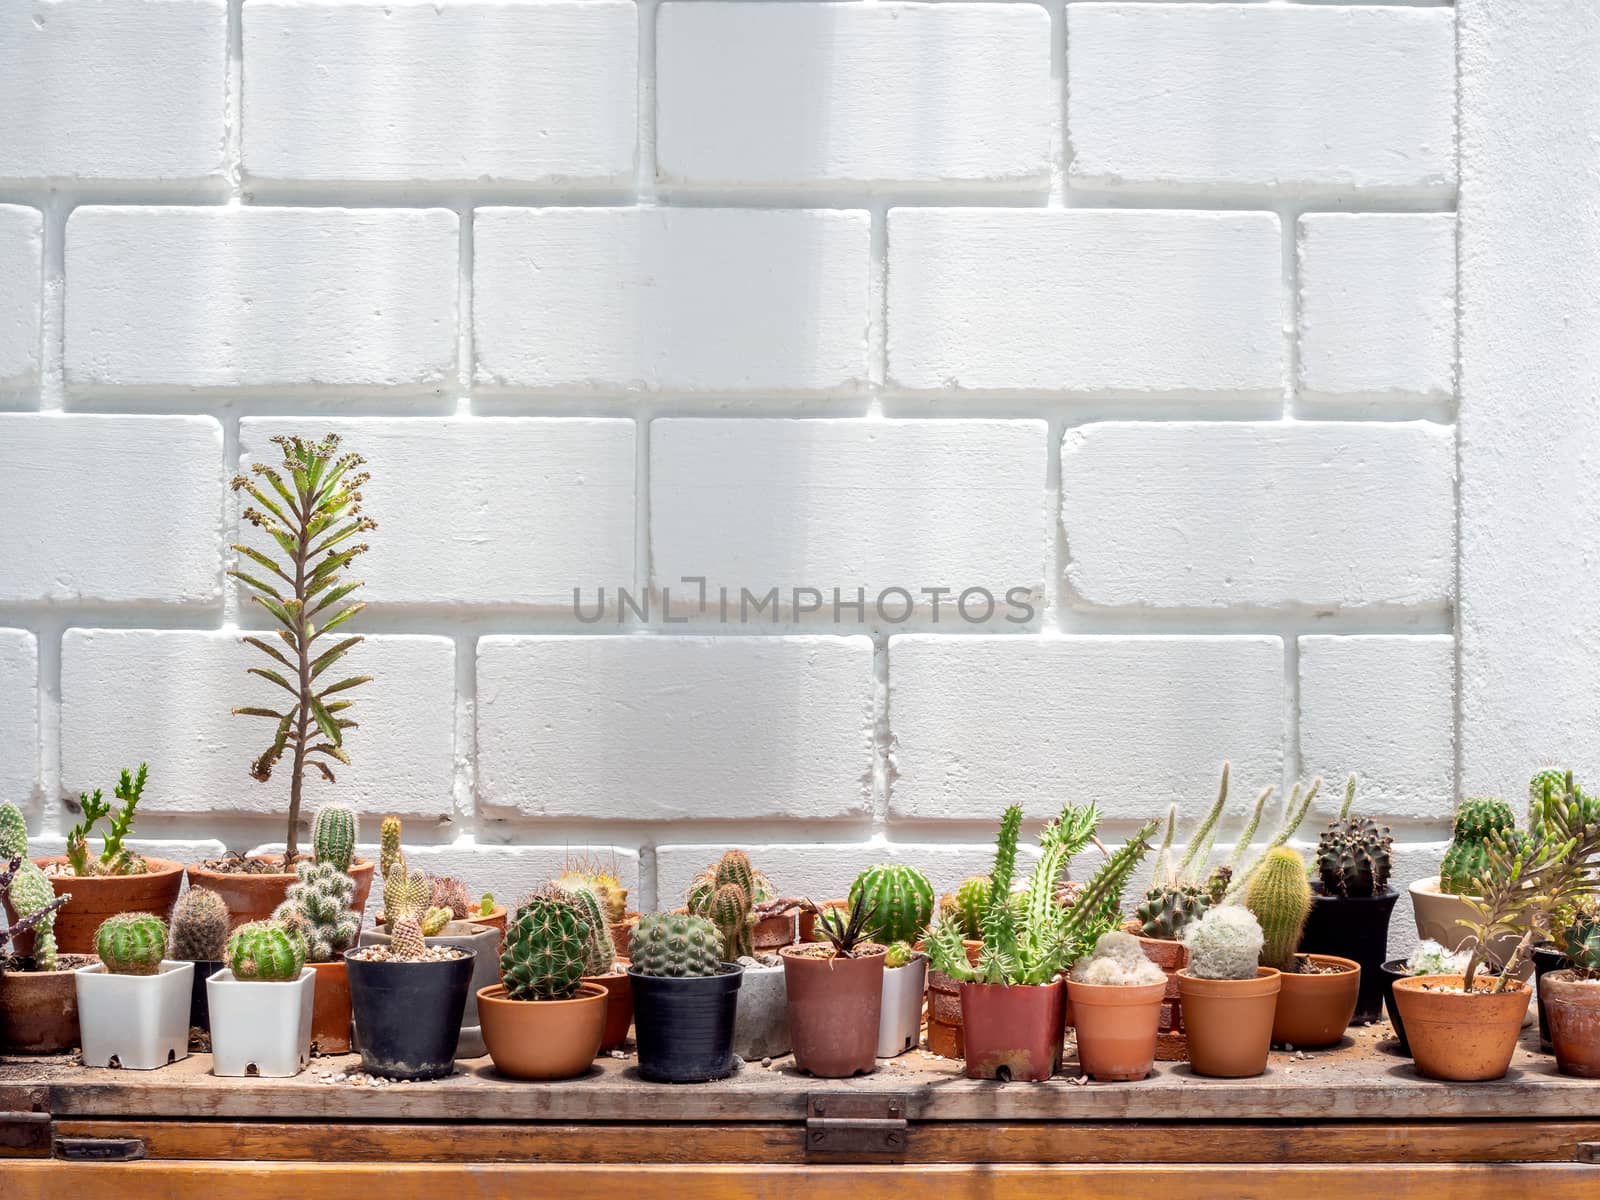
x=449 y=892
x=902 y=899
x=1225 y=943
x=1280 y=897
x=604 y=883
x=131 y=943
x=333 y=836
x=406 y=897
x=266 y=952
x=599 y=954
x=13 y=832
x=546 y=947
x=199 y=926
x=676 y=945
x=318 y=906
x=725 y=894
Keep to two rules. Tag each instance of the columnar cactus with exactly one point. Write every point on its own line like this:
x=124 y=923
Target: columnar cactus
x=318 y=905
x=725 y=894
x=389 y=851
x=901 y=897
x=30 y=892
x=1280 y=897
x=676 y=945
x=333 y=836
x=1477 y=821
x=131 y=943
x=1225 y=943
x=599 y=954
x=546 y=948
x=199 y=926
x=965 y=906
x=266 y=952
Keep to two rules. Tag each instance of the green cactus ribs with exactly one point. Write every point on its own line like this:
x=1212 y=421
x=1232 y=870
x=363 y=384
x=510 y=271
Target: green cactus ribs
x=546 y=948
x=333 y=836
x=1280 y=897
x=131 y=943
x=266 y=952
x=676 y=945
x=964 y=907
x=1477 y=822
x=901 y=899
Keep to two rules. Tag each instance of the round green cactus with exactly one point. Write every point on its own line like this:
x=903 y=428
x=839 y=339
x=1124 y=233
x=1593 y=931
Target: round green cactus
x=200 y=926
x=676 y=945
x=546 y=949
x=333 y=836
x=901 y=899
x=266 y=952
x=1168 y=911
x=1353 y=857
x=898 y=954
x=131 y=943
x=1280 y=897
x=964 y=908
x=1467 y=858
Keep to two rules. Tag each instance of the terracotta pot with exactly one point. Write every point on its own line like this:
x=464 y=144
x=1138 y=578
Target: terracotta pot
x=619 y=1009
x=543 y=1039
x=1013 y=1032
x=330 y=1009
x=1117 y=1028
x=1171 y=956
x=773 y=933
x=253 y=897
x=1545 y=960
x=1229 y=1022
x=1457 y=1036
x=39 y=1009
x=1357 y=928
x=1572 y=1006
x=96 y=897
x=834 y=1007
x=945 y=1032
x=622 y=934
x=1313 y=1011
x=1436 y=915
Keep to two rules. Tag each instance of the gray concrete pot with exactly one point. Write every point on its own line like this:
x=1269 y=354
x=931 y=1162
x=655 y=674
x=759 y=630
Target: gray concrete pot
x=761 y=1024
x=464 y=935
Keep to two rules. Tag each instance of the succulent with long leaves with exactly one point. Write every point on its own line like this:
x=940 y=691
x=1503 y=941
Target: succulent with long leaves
x=310 y=507
x=849 y=930
x=114 y=859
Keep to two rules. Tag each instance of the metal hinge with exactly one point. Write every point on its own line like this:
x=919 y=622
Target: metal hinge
x=87 y=1149
x=856 y=1123
x=23 y=1132
x=1588 y=1152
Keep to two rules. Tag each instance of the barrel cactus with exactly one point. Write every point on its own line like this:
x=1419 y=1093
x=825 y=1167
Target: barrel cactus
x=333 y=836
x=1225 y=943
x=545 y=948
x=266 y=952
x=199 y=926
x=1353 y=857
x=1280 y=897
x=1168 y=911
x=599 y=953
x=901 y=899
x=677 y=945
x=131 y=943
x=1477 y=820
x=318 y=905
x=964 y=907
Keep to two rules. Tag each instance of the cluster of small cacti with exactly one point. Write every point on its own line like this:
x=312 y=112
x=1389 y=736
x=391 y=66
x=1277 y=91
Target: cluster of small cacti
x=1477 y=822
x=131 y=943
x=676 y=944
x=451 y=894
x=901 y=899
x=406 y=898
x=545 y=955
x=334 y=831
x=603 y=881
x=963 y=908
x=1225 y=943
x=199 y=927
x=266 y=952
x=724 y=894
x=318 y=906
x=29 y=892
x=1279 y=896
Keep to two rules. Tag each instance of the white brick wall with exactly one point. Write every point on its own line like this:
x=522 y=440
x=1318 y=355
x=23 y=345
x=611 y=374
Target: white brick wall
x=21 y=262
x=19 y=716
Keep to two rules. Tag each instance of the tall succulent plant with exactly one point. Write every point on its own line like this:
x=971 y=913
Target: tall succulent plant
x=334 y=831
x=407 y=897
x=310 y=506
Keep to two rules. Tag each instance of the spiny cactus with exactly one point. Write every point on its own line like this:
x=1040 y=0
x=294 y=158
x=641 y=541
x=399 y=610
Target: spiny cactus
x=389 y=852
x=1477 y=822
x=724 y=894
x=544 y=957
x=901 y=898
x=898 y=954
x=433 y=920
x=199 y=926
x=602 y=879
x=599 y=953
x=406 y=942
x=964 y=907
x=1280 y=898
x=1353 y=853
x=1225 y=943
x=13 y=832
x=1117 y=961
x=485 y=905
x=34 y=917
x=318 y=905
x=1582 y=940
x=333 y=836
x=131 y=943
x=114 y=859
x=677 y=945
x=266 y=952
x=449 y=892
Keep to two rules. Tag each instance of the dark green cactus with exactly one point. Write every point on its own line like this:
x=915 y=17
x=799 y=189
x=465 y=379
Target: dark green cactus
x=333 y=836
x=901 y=899
x=1168 y=911
x=266 y=952
x=199 y=926
x=1353 y=853
x=131 y=943
x=1583 y=941
x=1477 y=821
x=599 y=953
x=544 y=956
x=676 y=945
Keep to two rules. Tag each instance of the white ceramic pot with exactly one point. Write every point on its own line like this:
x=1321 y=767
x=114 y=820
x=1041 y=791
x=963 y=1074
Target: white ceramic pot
x=260 y=1028
x=900 y=1017
x=141 y=1021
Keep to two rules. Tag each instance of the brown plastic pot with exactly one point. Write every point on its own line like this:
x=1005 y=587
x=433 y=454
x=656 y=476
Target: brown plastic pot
x=330 y=1008
x=1314 y=1010
x=543 y=1039
x=1117 y=1028
x=622 y=934
x=253 y=897
x=96 y=897
x=1572 y=1008
x=39 y=1009
x=1013 y=1031
x=619 y=1009
x=945 y=1032
x=1228 y=1022
x=1457 y=1036
x=834 y=1006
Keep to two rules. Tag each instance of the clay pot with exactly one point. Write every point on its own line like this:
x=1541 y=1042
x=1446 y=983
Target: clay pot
x=96 y=897
x=1457 y=1036
x=773 y=933
x=1229 y=1022
x=1545 y=960
x=945 y=1031
x=1313 y=1011
x=1355 y=928
x=1117 y=1028
x=1572 y=1004
x=619 y=1010
x=253 y=897
x=39 y=1009
x=621 y=934
x=1013 y=1031
x=834 y=1008
x=330 y=1009
x=543 y=1039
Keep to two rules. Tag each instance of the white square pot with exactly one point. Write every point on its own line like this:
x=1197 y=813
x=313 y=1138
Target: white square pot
x=260 y=1028
x=900 y=1017
x=141 y=1021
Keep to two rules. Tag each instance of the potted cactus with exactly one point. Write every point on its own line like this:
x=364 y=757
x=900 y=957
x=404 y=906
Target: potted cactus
x=725 y=894
x=261 y=1003
x=1570 y=997
x=601 y=878
x=1426 y=958
x=38 y=990
x=684 y=999
x=962 y=910
x=133 y=1005
x=905 y=982
x=546 y=1021
x=1317 y=992
x=901 y=899
x=1352 y=901
x=1442 y=902
x=1116 y=994
x=835 y=990
x=319 y=907
x=200 y=936
x=309 y=509
x=1228 y=998
x=600 y=966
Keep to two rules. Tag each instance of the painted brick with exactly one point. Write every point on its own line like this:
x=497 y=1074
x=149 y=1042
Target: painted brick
x=1378 y=304
x=225 y=297
x=132 y=695
x=1261 y=96
x=1384 y=708
x=595 y=299
x=657 y=728
x=112 y=89
x=104 y=496
x=370 y=91
x=19 y=717
x=1409 y=862
x=1086 y=300
x=487 y=511
x=1207 y=515
x=21 y=264
x=808 y=93
x=848 y=504
x=982 y=722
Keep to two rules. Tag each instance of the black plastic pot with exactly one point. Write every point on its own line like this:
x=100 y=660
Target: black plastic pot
x=408 y=1014
x=684 y=1027
x=1545 y=960
x=1388 y=972
x=1355 y=927
x=199 y=1006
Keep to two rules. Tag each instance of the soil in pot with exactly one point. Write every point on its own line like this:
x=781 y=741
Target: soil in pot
x=96 y=897
x=1117 y=1028
x=1394 y=969
x=1314 y=1006
x=408 y=1013
x=330 y=1009
x=1355 y=928
x=684 y=1027
x=1457 y=1036
x=1572 y=1002
x=834 y=1007
x=253 y=887
x=543 y=1039
x=1013 y=1031
x=945 y=1030
x=619 y=1010
x=1229 y=1022
x=1545 y=960
x=39 y=1009
x=761 y=1022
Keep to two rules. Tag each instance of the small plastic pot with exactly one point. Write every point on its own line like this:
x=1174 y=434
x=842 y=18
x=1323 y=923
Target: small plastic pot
x=260 y=1027
x=900 y=1021
x=1354 y=928
x=684 y=1027
x=1457 y=1036
x=1229 y=1022
x=834 y=1007
x=199 y=1003
x=408 y=1014
x=543 y=1039
x=482 y=940
x=1117 y=1028
x=141 y=1021
x=1394 y=969
x=1013 y=1031
x=1545 y=960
